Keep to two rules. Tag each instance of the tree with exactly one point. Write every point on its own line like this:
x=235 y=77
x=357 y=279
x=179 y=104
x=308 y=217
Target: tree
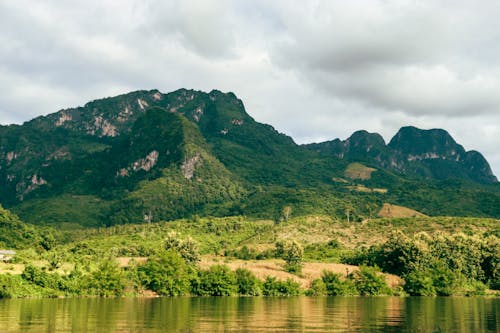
x=218 y=280
x=187 y=248
x=287 y=211
x=248 y=284
x=369 y=281
x=108 y=280
x=292 y=252
x=167 y=274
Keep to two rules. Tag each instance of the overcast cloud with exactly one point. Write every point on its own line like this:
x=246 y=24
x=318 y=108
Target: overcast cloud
x=315 y=70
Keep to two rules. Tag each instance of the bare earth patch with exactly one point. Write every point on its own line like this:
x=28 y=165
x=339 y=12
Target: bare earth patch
x=358 y=171
x=389 y=210
x=274 y=268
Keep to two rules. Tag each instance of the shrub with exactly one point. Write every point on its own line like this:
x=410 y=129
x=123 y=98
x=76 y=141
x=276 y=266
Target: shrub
x=218 y=280
x=166 y=274
x=274 y=287
x=336 y=285
x=12 y=286
x=41 y=278
x=248 y=284
x=187 y=248
x=369 y=281
x=293 y=253
x=445 y=280
x=108 y=280
x=474 y=288
x=419 y=283
x=318 y=288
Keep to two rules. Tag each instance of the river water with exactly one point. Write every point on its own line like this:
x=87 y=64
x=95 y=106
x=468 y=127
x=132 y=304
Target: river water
x=252 y=314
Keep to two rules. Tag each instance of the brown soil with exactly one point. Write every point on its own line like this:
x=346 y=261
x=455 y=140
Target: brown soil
x=274 y=268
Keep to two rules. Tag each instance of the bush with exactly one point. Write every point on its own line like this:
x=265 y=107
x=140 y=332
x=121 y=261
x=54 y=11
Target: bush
x=475 y=288
x=369 y=281
x=166 y=274
x=12 y=286
x=445 y=280
x=336 y=285
x=274 y=287
x=329 y=251
x=108 y=280
x=246 y=253
x=419 y=283
x=218 y=280
x=318 y=288
x=293 y=253
x=248 y=284
x=41 y=278
x=187 y=248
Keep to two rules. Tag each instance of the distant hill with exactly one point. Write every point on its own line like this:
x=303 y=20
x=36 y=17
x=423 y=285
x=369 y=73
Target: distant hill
x=147 y=156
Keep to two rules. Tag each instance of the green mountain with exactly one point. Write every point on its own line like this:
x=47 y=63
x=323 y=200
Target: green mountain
x=430 y=154
x=147 y=156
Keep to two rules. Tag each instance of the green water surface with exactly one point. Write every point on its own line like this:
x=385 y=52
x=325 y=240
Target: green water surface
x=257 y=314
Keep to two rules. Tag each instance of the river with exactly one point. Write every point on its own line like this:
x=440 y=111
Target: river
x=247 y=314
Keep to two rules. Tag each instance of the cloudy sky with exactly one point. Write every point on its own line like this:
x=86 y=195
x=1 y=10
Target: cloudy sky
x=315 y=70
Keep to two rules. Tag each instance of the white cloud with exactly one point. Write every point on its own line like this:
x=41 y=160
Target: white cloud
x=313 y=69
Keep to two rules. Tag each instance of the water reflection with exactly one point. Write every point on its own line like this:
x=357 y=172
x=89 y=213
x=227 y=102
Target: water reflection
x=259 y=314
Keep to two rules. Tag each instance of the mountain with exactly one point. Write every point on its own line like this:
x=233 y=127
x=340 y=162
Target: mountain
x=431 y=154
x=149 y=156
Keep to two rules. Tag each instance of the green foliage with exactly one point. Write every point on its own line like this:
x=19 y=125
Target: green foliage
x=248 y=284
x=329 y=252
x=437 y=265
x=292 y=252
x=420 y=283
x=218 y=280
x=336 y=285
x=248 y=253
x=187 y=248
x=16 y=234
x=445 y=281
x=167 y=274
x=108 y=280
x=275 y=287
x=41 y=278
x=64 y=211
x=318 y=288
x=369 y=281
x=14 y=286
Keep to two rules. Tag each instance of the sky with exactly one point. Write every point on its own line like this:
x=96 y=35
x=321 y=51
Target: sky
x=315 y=70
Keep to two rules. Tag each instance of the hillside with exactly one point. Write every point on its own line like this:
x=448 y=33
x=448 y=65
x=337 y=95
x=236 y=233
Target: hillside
x=146 y=156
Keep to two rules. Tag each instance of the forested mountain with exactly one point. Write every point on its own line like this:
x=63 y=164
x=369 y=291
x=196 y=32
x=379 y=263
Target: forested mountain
x=149 y=156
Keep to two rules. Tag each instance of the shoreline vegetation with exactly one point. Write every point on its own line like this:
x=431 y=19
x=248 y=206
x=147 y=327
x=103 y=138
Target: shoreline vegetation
x=313 y=255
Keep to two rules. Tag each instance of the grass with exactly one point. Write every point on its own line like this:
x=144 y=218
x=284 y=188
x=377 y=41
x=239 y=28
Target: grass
x=389 y=210
x=358 y=171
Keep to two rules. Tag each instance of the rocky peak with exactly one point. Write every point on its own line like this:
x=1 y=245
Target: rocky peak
x=363 y=140
x=418 y=144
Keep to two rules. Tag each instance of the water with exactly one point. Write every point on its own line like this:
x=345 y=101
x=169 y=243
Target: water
x=260 y=314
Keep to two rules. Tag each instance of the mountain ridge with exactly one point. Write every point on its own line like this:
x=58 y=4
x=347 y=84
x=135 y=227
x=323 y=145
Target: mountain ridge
x=148 y=156
x=411 y=151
